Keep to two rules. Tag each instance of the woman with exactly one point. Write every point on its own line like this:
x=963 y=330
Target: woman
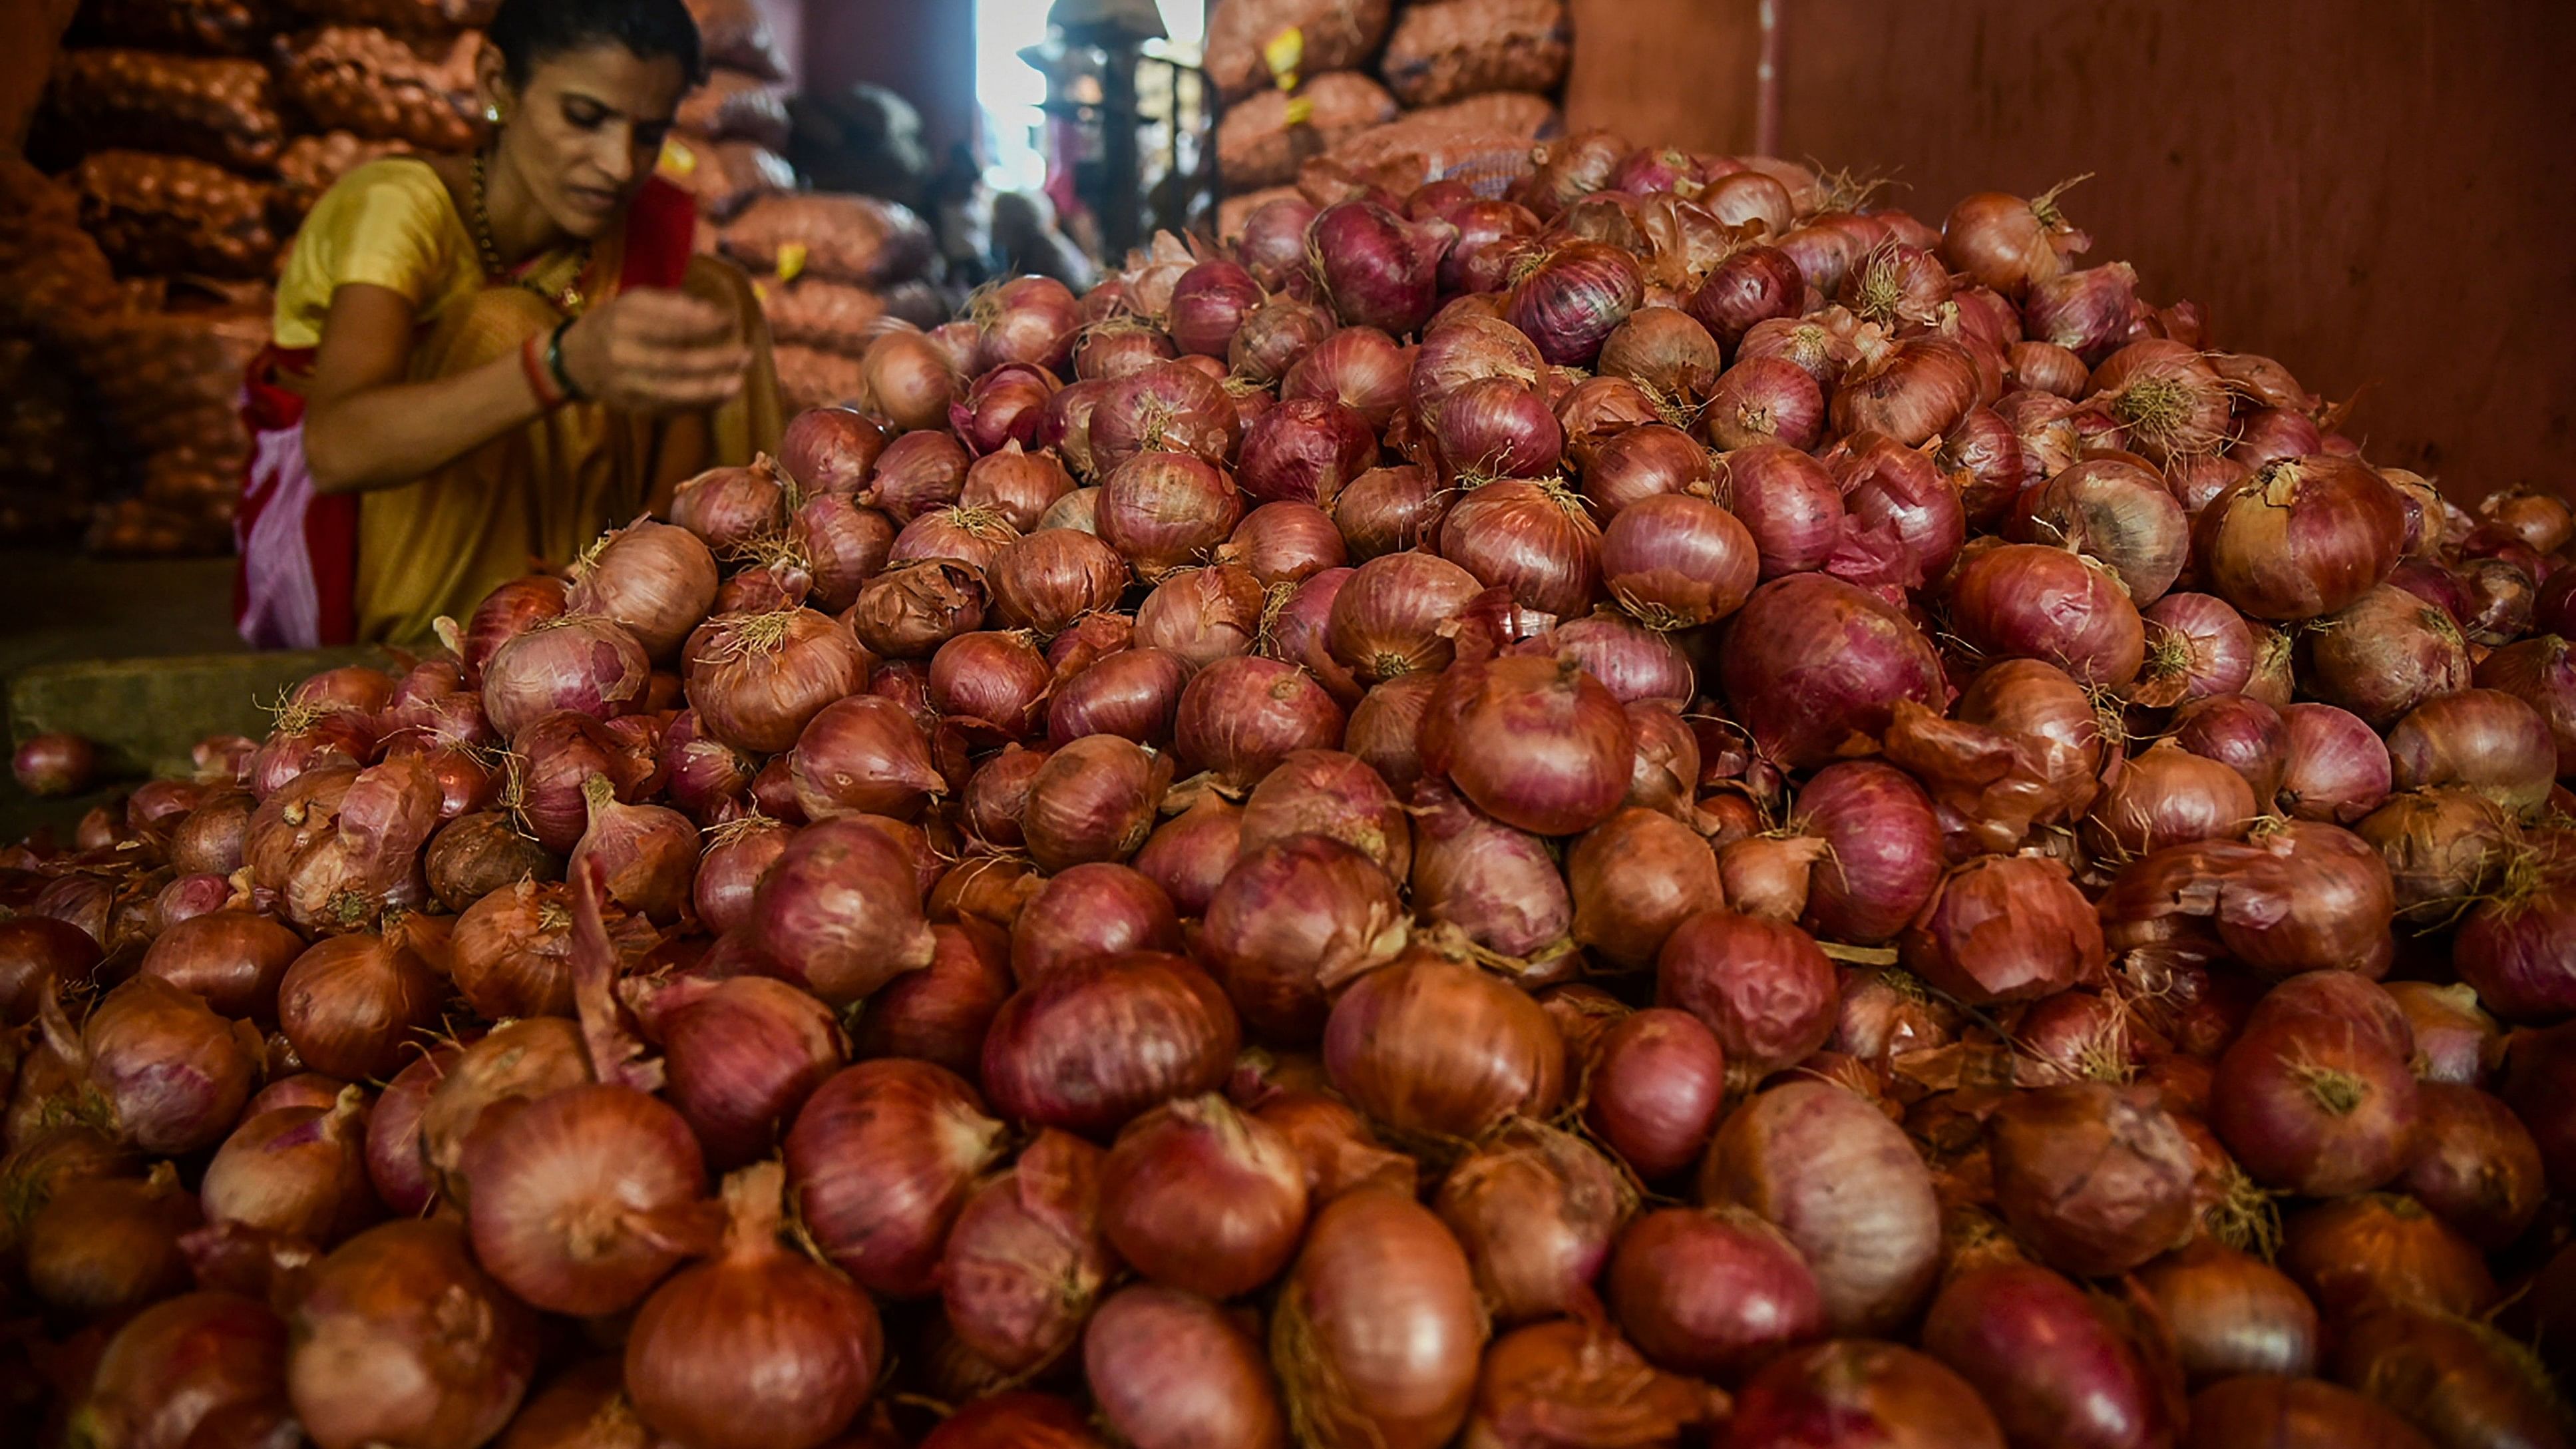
x=480 y=362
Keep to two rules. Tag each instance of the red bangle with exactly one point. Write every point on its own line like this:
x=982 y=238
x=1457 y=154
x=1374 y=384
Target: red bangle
x=533 y=367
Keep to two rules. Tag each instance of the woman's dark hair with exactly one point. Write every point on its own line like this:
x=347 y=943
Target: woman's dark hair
x=530 y=32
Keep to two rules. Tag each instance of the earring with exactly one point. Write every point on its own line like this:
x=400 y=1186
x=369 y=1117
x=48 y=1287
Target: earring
x=492 y=114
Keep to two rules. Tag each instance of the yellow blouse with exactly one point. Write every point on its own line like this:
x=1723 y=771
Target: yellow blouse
x=534 y=496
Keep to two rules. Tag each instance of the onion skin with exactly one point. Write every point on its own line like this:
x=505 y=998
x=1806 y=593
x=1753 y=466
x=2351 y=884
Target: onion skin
x=2049 y=1364
x=1712 y=1292
x=1761 y=986
x=2005 y=928
x=1093 y=799
x=233 y=959
x=1500 y=886
x=656 y=579
x=1676 y=561
x=1537 y=1211
x=2378 y=1250
x=2476 y=1165
x=2384 y=654
x=1290 y=923
x=295 y=1171
x=839 y=913
x=2337 y=768
x=2096 y=1179
x=941 y=1013
x=395 y=1165
x=101 y=1249
x=1635 y=879
x=1859 y=1392
x=2480 y=739
x=1201 y=1197
x=1091 y=1046
x=1536 y=744
x=402 y=1339
x=2032 y=601
x=1015 y=1421
x=879 y=1160
x=171 y=1073
x=1376 y=269
x=755 y=679
x=1845 y=1185
x=1377 y=1332
x=1430 y=1046
x=1168 y=1370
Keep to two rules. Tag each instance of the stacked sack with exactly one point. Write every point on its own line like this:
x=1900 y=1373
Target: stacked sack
x=54 y=286
x=1465 y=91
x=835 y=271
x=731 y=130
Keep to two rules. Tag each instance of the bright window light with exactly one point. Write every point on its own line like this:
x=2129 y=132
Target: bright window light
x=1008 y=89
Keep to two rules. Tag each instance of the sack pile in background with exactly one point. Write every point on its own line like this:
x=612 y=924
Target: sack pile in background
x=1319 y=93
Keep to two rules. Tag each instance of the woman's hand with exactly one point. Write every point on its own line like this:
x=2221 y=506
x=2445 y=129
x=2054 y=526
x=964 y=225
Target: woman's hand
x=655 y=350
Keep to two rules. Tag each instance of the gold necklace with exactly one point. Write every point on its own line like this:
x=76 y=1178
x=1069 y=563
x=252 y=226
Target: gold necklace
x=568 y=301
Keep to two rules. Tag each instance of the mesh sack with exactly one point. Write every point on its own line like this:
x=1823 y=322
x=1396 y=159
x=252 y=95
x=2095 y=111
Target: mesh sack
x=1331 y=35
x=856 y=239
x=155 y=214
x=383 y=86
x=1484 y=141
x=724 y=176
x=1231 y=212
x=211 y=27
x=810 y=377
x=216 y=110
x=734 y=35
x=311 y=164
x=54 y=280
x=820 y=313
x=169 y=380
x=140 y=528
x=412 y=16
x=1256 y=145
x=1451 y=49
x=49 y=447
x=735 y=106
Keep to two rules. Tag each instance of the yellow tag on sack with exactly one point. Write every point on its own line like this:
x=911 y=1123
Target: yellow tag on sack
x=760 y=293
x=677 y=159
x=1284 y=54
x=1301 y=110
x=791 y=260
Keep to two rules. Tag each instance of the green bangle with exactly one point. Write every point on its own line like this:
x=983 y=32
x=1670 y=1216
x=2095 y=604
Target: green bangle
x=555 y=362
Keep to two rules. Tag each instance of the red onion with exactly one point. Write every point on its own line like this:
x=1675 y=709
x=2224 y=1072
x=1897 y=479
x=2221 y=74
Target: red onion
x=864 y=755
x=1374 y=268
x=2034 y=601
x=189 y=1369
x=918 y=472
x=1499 y=885
x=757 y=1346
x=2005 y=242
x=1809 y=661
x=103 y=1249
x=1492 y=1054
x=731 y=508
x=2386 y=654
x=505 y=613
x=2096 y=1179
x=1285 y=543
x=1294 y=920
x=1764 y=400
x=1467 y=349
x=295 y=1171
x=2304 y=537
x=738 y=853
x=1273 y=336
x=1869 y=1393
x=756 y=679
x=453 y=1350
x=1330 y=793
x=2246 y=735
x=840 y=912
x=1094 y=909
x=2167 y=796
x=1536 y=1209
x=2231 y=1313
x=2257 y=1411
x=2054 y=1366
x=511 y=952
x=1160 y=511
x=1649 y=461
x=1027 y=1256
x=654 y=579
x=1653 y=1090
x=2513 y=946
x=1093 y=1044
x=1570 y=296
x=1114 y=347
x=2455 y=1378
x=1243 y=714
x=1537 y=744
x=1202 y=615
x=880 y=1159
x=2478 y=1166
x=649 y=853
x=1359 y=367
x=1534 y=539
x=395 y=1166
x=1029 y=320
x=581 y=1198
x=1168 y=1370
x=1131 y=693
x=1166 y=407
x=1189 y=854
x=830 y=450
x=742 y=1055
x=1209 y=304
x=352 y=1003
x=1899 y=287
x=1094 y=799
x=1020 y=486
x=2314 y=1106
x=1665 y=349
x=1049 y=579
x=575 y=661
x=1378 y=1331
x=2005 y=928
x=2377 y=1250
x=2337 y=768
x=1913 y=392
x=1198 y=1196
x=1845 y=1186
x=1753 y=284
x=2086 y=312
x=231 y=958
x=2479 y=739
x=908 y=379
x=1761 y=987
x=1788 y=502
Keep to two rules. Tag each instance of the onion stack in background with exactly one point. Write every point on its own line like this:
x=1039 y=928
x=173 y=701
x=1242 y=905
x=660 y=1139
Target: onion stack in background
x=1604 y=818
